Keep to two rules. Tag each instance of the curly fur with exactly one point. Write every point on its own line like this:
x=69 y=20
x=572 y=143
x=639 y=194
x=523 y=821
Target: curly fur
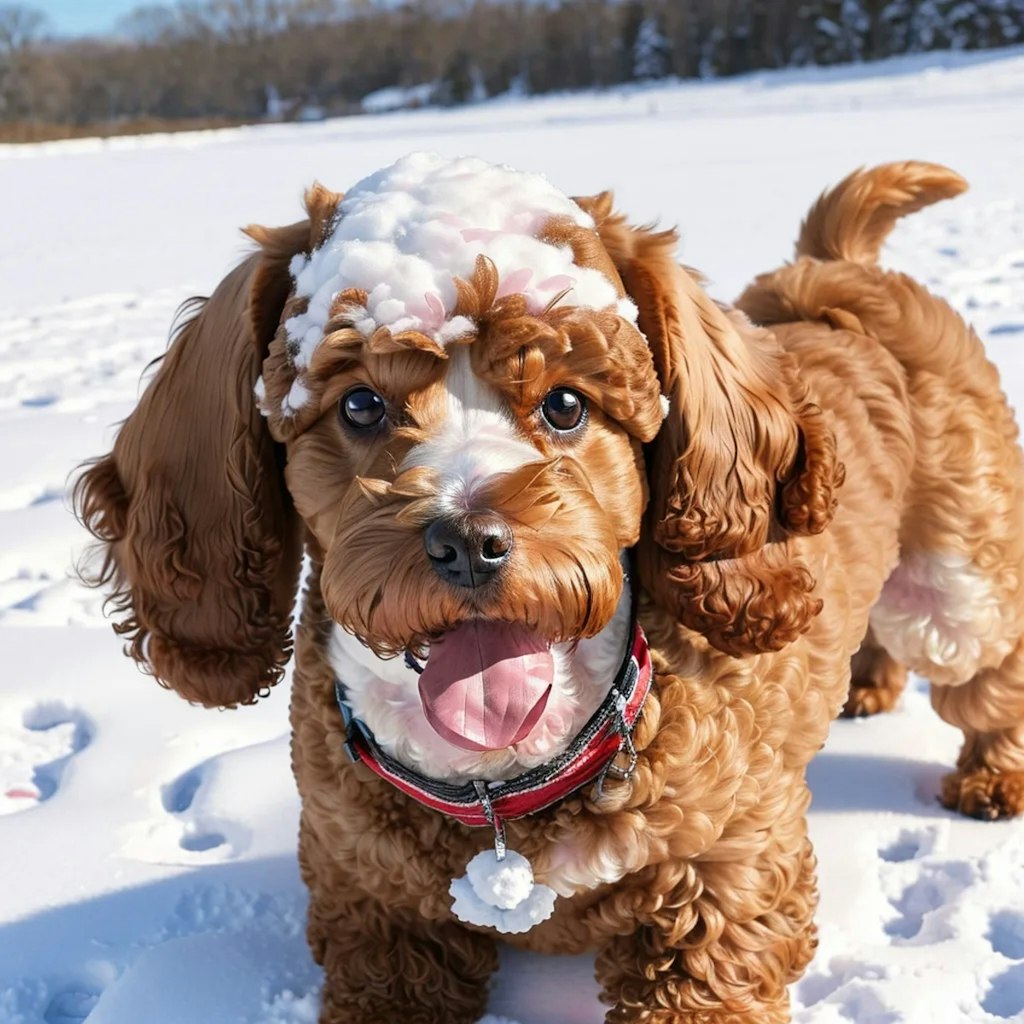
x=758 y=572
x=745 y=463
x=952 y=606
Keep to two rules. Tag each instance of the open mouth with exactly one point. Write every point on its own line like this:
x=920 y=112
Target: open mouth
x=486 y=684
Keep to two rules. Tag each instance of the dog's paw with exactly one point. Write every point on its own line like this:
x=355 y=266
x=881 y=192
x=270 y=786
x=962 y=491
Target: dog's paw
x=876 y=682
x=868 y=699
x=984 y=793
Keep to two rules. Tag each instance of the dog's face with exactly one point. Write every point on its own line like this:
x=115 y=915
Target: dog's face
x=470 y=436
x=501 y=478
x=473 y=478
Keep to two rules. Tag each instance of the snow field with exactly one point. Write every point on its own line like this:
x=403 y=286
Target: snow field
x=147 y=849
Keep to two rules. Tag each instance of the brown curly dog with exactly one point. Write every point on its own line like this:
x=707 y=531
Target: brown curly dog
x=506 y=428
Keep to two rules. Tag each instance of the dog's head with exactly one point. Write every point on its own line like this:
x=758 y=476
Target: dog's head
x=471 y=397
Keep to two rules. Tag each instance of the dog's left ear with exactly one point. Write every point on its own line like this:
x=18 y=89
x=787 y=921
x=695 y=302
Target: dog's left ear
x=744 y=462
x=199 y=540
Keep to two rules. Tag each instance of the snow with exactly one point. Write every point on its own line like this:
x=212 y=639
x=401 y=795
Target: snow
x=501 y=894
x=406 y=233
x=148 y=850
x=396 y=97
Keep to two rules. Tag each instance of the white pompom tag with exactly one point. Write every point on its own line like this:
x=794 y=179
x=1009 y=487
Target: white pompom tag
x=501 y=894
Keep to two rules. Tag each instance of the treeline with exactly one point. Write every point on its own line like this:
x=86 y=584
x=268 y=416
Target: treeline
x=222 y=59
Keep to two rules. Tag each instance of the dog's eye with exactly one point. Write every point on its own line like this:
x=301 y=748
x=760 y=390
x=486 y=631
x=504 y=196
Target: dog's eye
x=564 y=409
x=361 y=408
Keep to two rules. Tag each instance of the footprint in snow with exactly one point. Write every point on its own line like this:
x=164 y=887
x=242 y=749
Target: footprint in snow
x=39 y=401
x=907 y=844
x=919 y=885
x=70 y=1006
x=861 y=1003
x=840 y=974
x=1005 y=996
x=48 y=494
x=39 y=751
x=918 y=904
x=189 y=801
x=30 y=495
x=210 y=813
x=1006 y=933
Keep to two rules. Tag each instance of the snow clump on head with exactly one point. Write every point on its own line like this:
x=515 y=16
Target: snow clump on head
x=404 y=234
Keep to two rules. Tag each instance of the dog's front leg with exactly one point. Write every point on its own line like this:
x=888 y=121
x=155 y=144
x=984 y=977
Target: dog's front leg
x=388 y=967
x=723 y=948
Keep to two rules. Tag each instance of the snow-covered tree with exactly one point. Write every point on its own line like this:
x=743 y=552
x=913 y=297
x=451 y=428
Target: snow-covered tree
x=976 y=23
x=928 y=26
x=462 y=81
x=894 y=27
x=966 y=24
x=712 y=53
x=1010 y=22
x=973 y=24
x=652 y=52
x=759 y=35
x=841 y=32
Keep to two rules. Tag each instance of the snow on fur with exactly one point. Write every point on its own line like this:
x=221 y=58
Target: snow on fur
x=404 y=234
x=501 y=894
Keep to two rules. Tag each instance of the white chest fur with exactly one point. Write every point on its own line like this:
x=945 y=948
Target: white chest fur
x=384 y=694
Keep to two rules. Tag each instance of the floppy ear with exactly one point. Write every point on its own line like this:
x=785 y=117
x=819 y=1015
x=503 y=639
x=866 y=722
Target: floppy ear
x=743 y=464
x=199 y=537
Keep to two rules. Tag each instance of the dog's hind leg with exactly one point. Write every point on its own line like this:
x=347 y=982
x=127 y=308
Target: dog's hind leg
x=876 y=680
x=989 y=778
x=953 y=608
x=955 y=618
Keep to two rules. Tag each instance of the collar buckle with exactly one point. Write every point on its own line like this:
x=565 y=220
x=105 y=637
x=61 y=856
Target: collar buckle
x=626 y=744
x=350 y=723
x=500 y=847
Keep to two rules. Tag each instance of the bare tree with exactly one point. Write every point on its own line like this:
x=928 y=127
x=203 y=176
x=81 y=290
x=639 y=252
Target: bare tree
x=150 y=24
x=219 y=59
x=21 y=28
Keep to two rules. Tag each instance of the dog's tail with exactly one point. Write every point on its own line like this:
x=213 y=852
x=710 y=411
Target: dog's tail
x=852 y=220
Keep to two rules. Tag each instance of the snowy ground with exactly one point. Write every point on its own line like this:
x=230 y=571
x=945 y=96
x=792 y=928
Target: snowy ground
x=147 y=849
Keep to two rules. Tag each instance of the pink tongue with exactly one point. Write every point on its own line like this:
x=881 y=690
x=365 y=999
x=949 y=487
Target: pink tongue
x=486 y=684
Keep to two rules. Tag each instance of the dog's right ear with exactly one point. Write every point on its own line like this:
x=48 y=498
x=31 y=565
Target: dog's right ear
x=744 y=464
x=198 y=535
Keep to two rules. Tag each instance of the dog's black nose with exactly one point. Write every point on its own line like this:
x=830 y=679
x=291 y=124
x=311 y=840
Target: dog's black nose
x=469 y=550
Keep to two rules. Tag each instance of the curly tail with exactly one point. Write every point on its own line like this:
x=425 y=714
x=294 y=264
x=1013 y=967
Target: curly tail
x=851 y=221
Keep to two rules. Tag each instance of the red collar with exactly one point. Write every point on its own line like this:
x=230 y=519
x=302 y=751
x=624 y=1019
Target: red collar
x=590 y=756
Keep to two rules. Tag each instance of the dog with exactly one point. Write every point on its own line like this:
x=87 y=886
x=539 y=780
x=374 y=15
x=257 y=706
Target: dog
x=591 y=561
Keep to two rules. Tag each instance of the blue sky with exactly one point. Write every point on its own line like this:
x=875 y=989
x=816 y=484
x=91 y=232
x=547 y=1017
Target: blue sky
x=76 y=17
